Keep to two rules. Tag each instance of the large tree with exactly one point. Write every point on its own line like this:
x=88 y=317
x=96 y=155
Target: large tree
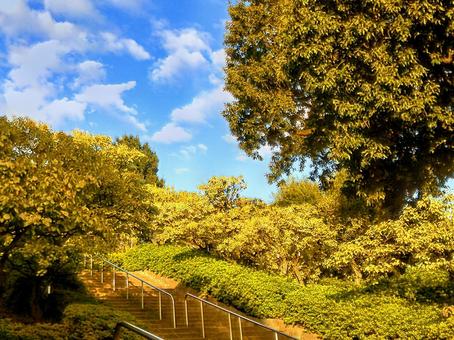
x=61 y=195
x=147 y=166
x=364 y=86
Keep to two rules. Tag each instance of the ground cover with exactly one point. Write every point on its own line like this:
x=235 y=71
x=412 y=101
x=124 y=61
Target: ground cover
x=404 y=307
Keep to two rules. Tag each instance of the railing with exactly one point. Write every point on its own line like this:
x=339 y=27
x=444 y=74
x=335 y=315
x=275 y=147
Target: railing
x=135 y=329
x=143 y=283
x=230 y=313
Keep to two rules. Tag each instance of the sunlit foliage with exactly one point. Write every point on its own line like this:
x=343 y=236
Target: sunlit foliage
x=62 y=194
x=364 y=86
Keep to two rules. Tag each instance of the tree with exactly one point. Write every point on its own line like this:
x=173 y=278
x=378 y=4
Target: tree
x=60 y=195
x=364 y=86
x=223 y=192
x=293 y=191
x=147 y=166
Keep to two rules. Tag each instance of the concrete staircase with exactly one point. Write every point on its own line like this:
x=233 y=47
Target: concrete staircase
x=216 y=321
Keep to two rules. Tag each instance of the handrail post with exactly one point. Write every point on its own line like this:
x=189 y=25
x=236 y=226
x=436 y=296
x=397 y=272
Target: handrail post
x=116 y=268
x=230 y=326
x=117 y=332
x=91 y=266
x=241 y=328
x=186 y=311
x=203 y=321
x=276 y=332
x=142 y=295
x=113 y=279
x=174 y=312
x=160 y=305
x=127 y=286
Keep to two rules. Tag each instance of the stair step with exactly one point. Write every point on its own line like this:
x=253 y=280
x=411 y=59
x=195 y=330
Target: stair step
x=216 y=322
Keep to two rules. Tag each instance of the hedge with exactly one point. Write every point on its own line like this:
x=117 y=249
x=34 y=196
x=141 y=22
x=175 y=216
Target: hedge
x=80 y=321
x=334 y=309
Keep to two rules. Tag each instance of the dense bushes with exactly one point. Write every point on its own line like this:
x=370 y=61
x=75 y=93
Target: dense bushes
x=88 y=321
x=309 y=240
x=333 y=308
x=80 y=322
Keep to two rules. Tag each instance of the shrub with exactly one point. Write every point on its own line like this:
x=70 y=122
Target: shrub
x=89 y=321
x=41 y=331
x=260 y=294
x=336 y=309
x=80 y=322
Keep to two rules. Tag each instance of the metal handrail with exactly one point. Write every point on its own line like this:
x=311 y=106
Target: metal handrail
x=135 y=329
x=230 y=313
x=142 y=281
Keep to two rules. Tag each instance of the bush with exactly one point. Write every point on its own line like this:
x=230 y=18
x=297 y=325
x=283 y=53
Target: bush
x=88 y=321
x=260 y=293
x=80 y=322
x=42 y=331
x=336 y=309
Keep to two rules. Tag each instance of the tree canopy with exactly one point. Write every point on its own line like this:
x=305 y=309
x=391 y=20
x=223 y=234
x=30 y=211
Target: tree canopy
x=147 y=166
x=364 y=86
x=62 y=194
x=223 y=192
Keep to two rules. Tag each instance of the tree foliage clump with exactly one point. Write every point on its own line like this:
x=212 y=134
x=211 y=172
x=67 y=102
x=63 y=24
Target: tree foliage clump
x=293 y=191
x=60 y=195
x=308 y=241
x=364 y=86
x=223 y=192
x=147 y=166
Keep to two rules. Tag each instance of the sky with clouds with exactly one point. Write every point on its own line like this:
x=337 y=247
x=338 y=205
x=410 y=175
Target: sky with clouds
x=152 y=68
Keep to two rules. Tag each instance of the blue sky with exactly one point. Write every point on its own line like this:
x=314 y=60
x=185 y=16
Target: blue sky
x=148 y=68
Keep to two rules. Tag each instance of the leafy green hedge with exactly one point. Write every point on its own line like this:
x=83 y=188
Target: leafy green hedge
x=80 y=321
x=334 y=309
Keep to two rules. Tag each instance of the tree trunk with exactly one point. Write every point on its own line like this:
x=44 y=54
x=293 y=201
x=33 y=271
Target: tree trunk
x=358 y=276
x=3 y=277
x=35 y=299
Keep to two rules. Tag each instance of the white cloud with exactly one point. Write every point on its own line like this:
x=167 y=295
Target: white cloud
x=89 y=72
x=188 y=38
x=17 y=18
x=185 y=50
x=27 y=90
x=205 y=104
x=218 y=59
x=23 y=102
x=218 y=63
x=171 y=133
x=32 y=65
x=189 y=49
x=228 y=138
x=203 y=148
x=134 y=121
x=61 y=109
x=180 y=171
x=109 y=97
x=33 y=102
x=114 y=44
x=71 y=9
x=43 y=73
x=176 y=63
x=190 y=151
